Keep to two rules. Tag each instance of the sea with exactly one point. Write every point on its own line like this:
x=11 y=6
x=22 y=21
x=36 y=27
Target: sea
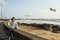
x=39 y=22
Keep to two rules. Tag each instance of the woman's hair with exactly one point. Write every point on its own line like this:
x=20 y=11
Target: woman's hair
x=12 y=18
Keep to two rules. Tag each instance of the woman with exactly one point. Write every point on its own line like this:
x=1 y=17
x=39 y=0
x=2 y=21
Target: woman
x=13 y=25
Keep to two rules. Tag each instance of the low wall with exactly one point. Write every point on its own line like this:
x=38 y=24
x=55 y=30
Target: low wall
x=22 y=35
x=17 y=36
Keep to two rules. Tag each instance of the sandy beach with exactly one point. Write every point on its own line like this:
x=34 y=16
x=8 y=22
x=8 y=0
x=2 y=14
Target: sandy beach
x=42 y=33
x=39 y=32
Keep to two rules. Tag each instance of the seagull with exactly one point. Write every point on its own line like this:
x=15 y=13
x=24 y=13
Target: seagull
x=51 y=9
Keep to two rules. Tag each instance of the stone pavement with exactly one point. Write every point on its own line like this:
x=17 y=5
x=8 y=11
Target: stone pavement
x=2 y=32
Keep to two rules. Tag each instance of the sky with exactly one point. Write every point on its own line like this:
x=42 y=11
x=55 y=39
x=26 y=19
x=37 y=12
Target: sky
x=31 y=8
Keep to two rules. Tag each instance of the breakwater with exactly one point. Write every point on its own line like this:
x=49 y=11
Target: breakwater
x=44 y=26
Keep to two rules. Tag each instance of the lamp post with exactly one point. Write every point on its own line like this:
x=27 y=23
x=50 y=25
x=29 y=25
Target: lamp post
x=1 y=8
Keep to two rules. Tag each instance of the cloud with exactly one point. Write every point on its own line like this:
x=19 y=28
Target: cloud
x=3 y=2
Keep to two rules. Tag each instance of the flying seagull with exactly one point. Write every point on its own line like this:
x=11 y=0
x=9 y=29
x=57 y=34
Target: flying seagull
x=51 y=9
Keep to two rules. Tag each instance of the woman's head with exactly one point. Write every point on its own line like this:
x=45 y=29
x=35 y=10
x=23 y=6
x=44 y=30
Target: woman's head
x=13 y=18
